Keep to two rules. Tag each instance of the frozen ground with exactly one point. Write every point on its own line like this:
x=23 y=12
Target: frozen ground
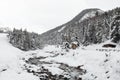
x=96 y=62
x=10 y=65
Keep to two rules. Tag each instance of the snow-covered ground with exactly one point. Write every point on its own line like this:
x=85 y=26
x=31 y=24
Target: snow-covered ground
x=99 y=64
x=10 y=65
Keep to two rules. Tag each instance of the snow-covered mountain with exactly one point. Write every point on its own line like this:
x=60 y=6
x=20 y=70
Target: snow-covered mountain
x=56 y=33
x=91 y=26
x=54 y=63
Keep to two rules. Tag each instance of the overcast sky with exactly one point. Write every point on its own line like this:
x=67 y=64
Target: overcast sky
x=42 y=15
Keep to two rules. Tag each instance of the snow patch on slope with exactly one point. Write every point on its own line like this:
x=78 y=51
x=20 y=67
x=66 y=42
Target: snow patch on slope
x=61 y=29
x=91 y=14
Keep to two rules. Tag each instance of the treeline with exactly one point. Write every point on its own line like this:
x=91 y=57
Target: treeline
x=24 y=40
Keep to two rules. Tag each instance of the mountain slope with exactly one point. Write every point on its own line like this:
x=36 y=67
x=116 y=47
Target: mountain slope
x=48 y=36
x=91 y=26
x=79 y=17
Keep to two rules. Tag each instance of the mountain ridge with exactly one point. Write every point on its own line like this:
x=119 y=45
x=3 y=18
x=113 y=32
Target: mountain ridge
x=76 y=18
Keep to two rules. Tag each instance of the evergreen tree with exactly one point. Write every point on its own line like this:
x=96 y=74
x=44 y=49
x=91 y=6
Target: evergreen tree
x=115 y=29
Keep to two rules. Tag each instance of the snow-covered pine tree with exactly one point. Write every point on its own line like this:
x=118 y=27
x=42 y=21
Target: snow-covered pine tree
x=115 y=29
